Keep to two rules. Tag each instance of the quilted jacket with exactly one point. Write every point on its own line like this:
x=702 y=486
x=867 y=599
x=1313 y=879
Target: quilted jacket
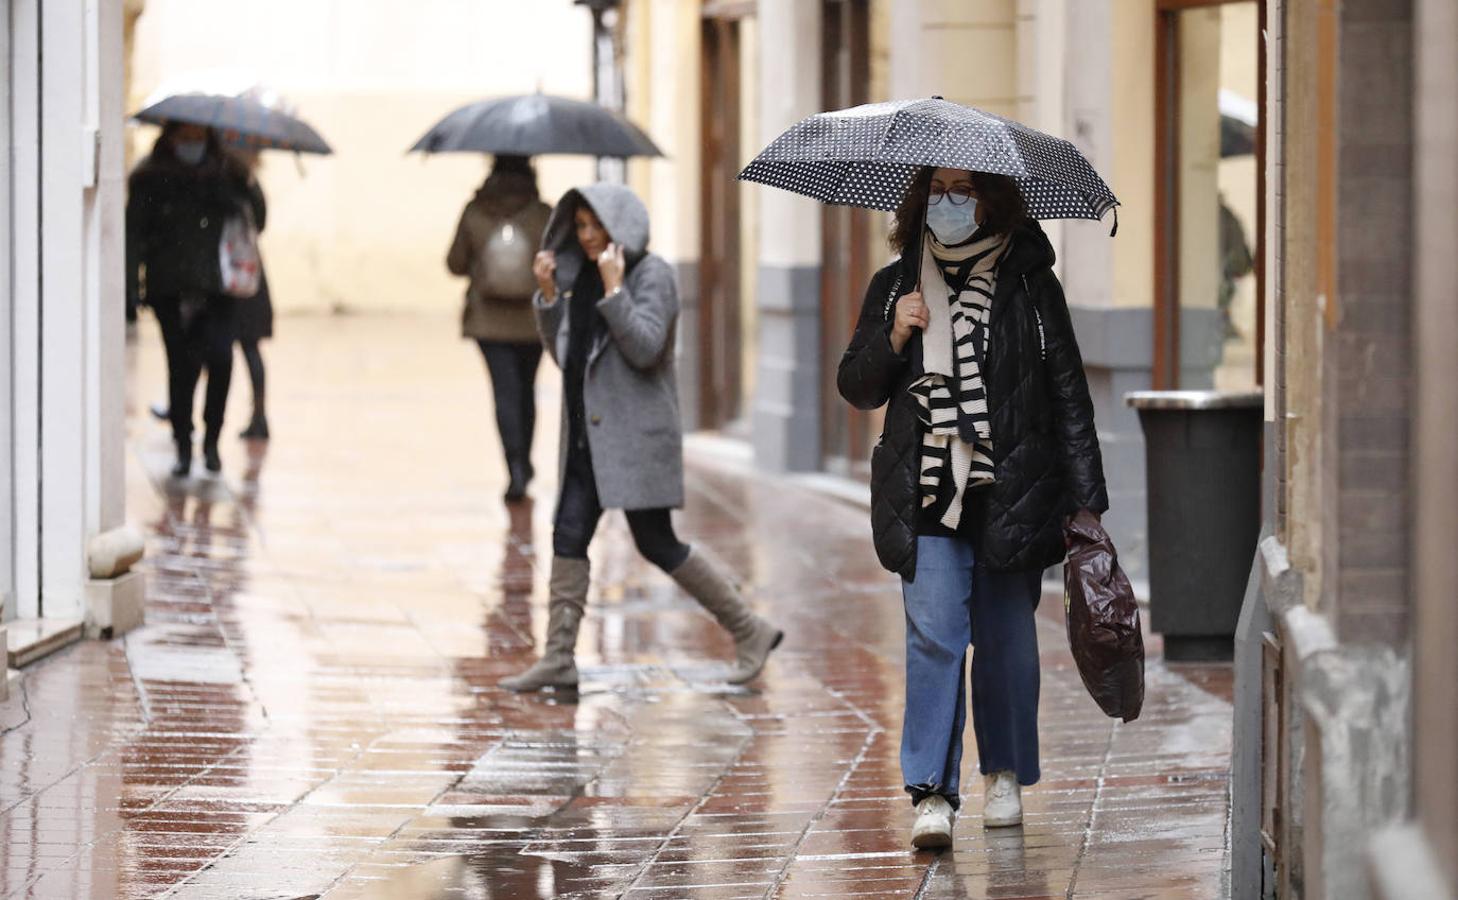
x=1045 y=448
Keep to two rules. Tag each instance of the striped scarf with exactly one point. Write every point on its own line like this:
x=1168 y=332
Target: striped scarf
x=956 y=452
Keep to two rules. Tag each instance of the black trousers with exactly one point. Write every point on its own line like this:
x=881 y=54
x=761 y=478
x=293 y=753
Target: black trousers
x=197 y=334
x=256 y=372
x=579 y=511
x=513 y=371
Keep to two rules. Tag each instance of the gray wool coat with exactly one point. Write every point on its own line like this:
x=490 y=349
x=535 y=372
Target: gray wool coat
x=634 y=430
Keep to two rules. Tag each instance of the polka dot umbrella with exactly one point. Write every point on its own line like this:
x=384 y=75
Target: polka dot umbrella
x=868 y=155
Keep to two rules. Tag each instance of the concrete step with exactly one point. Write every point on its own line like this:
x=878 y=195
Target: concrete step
x=31 y=639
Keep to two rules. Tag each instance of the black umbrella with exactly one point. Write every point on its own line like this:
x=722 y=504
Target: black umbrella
x=1237 y=138
x=868 y=155
x=536 y=124
x=258 y=125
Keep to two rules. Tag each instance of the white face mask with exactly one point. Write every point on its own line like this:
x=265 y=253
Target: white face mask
x=191 y=152
x=952 y=224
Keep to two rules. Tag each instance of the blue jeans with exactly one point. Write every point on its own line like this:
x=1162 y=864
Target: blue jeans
x=950 y=606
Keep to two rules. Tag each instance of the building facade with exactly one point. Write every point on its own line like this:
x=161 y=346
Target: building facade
x=62 y=368
x=366 y=230
x=1344 y=779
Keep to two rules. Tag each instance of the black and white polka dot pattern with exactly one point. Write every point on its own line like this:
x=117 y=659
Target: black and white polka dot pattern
x=868 y=155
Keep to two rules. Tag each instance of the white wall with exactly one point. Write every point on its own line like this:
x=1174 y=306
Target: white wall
x=62 y=342
x=7 y=403
x=368 y=228
x=23 y=448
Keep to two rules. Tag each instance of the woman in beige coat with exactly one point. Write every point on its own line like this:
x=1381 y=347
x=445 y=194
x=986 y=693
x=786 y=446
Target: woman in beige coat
x=496 y=241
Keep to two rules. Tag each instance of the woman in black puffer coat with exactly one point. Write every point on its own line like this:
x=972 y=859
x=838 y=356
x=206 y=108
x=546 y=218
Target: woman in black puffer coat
x=989 y=445
x=178 y=198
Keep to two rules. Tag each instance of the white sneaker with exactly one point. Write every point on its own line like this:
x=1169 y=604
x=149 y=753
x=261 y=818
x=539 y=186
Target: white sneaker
x=1002 y=800
x=933 y=828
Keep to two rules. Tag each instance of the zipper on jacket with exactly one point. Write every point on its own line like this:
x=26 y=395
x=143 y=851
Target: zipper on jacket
x=1042 y=337
x=892 y=298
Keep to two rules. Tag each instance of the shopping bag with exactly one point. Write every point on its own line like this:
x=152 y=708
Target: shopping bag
x=1103 y=619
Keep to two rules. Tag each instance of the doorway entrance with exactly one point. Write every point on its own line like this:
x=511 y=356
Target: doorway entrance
x=1209 y=317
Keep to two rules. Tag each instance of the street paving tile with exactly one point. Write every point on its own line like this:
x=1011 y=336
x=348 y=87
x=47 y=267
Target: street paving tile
x=312 y=707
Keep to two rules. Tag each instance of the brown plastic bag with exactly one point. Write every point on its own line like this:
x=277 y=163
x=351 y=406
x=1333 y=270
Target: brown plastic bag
x=1103 y=619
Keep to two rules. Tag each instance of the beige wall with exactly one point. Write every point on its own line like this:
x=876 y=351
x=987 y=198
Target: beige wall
x=367 y=229
x=1304 y=305
x=1131 y=175
x=749 y=195
x=967 y=52
x=663 y=39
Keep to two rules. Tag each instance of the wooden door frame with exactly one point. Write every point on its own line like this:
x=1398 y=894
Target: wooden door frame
x=850 y=227
x=720 y=289
x=1166 y=373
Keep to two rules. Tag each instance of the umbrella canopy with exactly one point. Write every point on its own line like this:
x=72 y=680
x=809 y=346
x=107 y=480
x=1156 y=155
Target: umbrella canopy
x=262 y=126
x=537 y=124
x=868 y=155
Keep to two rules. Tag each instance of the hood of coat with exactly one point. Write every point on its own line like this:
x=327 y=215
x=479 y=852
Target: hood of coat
x=619 y=209
x=506 y=192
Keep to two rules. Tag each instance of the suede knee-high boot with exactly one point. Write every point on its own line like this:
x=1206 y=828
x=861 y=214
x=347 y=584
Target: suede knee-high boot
x=754 y=638
x=567 y=602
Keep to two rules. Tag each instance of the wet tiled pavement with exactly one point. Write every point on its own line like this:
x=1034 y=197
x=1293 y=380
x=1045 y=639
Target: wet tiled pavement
x=312 y=707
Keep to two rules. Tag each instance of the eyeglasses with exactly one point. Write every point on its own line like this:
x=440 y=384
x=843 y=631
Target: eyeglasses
x=956 y=196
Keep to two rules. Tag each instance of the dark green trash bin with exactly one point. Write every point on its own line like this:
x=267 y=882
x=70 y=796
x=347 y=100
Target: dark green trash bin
x=1203 y=454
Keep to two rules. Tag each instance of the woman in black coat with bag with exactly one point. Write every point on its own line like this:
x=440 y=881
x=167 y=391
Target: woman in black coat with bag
x=178 y=199
x=255 y=315
x=989 y=446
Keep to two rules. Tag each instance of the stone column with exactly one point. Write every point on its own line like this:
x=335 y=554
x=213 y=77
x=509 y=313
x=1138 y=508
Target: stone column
x=787 y=389
x=1435 y=462
x=1109 y=280
x=667 y=101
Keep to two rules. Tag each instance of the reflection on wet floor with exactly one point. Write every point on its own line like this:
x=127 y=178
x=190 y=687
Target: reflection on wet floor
x=312 y=707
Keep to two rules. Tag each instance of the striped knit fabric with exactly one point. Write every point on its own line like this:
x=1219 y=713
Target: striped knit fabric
x=957 y=437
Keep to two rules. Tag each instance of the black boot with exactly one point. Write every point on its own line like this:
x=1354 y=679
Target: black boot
x=211 y=459
x=520 y=470
x=257 y=428
x=183 y=466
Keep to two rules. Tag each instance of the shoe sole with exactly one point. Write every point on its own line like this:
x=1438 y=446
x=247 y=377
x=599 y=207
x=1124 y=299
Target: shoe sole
x=931 y=841
x=1010 y=822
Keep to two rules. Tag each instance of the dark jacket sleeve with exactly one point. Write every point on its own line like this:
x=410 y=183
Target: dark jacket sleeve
x=137 y=227
x=1073 y=412
x=258 y=203
x=870 y=368
x=458 y=260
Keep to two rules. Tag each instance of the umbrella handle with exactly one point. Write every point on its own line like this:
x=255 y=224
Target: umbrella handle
x=921 y=236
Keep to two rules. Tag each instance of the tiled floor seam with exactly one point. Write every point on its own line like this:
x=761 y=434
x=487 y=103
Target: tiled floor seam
x=1093 y=813
x=245 y=835
x=874 y=731
x=678 y=826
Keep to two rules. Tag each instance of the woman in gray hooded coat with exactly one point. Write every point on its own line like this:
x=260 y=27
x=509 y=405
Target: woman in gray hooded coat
x=607 y=310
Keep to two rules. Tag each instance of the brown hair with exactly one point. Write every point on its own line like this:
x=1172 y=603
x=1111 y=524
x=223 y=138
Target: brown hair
x=998 y=196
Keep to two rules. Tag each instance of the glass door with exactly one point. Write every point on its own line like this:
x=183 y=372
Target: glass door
x=1209 y=315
